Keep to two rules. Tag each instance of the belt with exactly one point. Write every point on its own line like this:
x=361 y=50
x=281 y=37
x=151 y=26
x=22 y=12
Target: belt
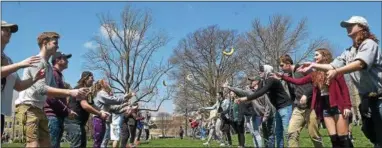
x=374 y=95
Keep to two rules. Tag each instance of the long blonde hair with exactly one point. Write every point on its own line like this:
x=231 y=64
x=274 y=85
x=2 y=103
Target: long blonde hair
x=100 y=85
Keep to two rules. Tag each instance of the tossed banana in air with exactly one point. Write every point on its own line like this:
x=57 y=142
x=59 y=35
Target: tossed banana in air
x=164 y=83
x=189 y=77
x=230 y=52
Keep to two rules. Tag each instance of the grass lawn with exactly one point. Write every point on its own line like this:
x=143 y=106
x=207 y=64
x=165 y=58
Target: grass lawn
x=360 y=141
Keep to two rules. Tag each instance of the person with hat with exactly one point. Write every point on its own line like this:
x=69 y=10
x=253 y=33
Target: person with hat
x=56 y=109
x=363 y=61
x=302 y=114
x=30 y=103
x=9 y=78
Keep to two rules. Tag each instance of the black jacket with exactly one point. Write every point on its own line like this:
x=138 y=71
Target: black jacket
x=275 y=91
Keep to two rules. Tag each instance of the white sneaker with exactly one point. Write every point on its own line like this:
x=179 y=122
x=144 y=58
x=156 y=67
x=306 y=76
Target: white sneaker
x=206 y=143
x=222 y=144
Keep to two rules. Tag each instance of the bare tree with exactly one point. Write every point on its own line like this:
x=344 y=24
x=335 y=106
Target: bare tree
x=266 y=43
x=124 y=54
x=164 y=122
x=200 y=56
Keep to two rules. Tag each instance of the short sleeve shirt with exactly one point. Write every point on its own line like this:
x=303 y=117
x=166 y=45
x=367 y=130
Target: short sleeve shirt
x=368 y=79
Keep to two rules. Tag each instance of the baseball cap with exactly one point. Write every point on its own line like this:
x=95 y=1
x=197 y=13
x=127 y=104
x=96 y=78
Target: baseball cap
x=14 y=27
x=256 y=78
x=355 y=20
x=59 y=54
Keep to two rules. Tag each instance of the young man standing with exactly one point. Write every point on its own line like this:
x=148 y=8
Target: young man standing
x=302 y=114
x=30 y=103
x=57 y=109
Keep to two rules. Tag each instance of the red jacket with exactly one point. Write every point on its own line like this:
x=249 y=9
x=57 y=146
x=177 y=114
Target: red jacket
x=338 y=93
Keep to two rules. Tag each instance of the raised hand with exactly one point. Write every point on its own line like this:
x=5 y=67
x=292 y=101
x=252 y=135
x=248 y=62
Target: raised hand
x=305 y=67
x=276 y=76
x=330 y=75
x=72 y=114
x=39 y=75
x=82 y=92
x=104 y=115
x=28 y=62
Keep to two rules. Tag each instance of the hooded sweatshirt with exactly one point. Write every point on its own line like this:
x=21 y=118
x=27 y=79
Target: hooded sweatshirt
x=260 y=107
x=273 y=88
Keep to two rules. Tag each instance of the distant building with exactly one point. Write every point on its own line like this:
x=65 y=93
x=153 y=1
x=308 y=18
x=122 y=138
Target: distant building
x=170 y=125
x=13 y=128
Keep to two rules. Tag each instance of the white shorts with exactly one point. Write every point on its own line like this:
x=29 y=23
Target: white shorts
x=115 y=128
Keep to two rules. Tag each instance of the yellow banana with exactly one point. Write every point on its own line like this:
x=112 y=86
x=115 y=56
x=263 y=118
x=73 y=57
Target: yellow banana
x=230 y=52
x=189 y=77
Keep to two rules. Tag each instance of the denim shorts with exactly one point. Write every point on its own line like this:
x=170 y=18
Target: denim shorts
x=331 y=111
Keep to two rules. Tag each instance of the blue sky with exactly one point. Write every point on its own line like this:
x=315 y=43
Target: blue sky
x=77 y=22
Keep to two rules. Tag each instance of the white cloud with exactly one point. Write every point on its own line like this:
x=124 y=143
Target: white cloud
x=90 y=45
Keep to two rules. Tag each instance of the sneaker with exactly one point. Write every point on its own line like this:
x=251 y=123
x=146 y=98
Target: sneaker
x=137 y=142
x=206 y=143
x=222 y=144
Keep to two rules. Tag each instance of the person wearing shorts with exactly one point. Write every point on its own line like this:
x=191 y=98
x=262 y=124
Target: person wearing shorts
x=115 y=129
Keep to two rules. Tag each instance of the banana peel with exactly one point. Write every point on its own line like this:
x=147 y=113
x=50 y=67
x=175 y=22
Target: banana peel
x=230 y=52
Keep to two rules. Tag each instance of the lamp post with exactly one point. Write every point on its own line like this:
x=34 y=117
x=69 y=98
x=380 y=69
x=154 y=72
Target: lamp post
x=185 y=79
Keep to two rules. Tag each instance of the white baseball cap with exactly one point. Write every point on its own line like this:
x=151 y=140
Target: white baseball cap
x=14 y=27
x=355 y=20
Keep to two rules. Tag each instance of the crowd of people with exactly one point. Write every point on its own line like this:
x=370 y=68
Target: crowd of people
x=276 y=106
x=47 y=106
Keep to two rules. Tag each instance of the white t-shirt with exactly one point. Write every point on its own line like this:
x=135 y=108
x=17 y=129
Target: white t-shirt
x=7 y=100
x=36 y=94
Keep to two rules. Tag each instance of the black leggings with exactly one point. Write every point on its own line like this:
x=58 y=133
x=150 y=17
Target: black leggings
x=239 y=129
x=147 y=134
x=128 y=131
x=2 y=124
x=139 y=134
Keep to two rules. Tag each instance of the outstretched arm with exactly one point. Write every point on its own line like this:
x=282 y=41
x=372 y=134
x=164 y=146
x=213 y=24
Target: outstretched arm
x=262 y=90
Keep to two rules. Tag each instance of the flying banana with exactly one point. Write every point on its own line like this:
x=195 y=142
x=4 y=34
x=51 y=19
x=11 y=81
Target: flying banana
x=164 y=83
x=230 y=52
x=189 y=77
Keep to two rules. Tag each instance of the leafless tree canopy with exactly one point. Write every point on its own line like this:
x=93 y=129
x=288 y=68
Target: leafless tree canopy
x=125 y=54
x=266 y=43
x=164 y=122
x=200 y=56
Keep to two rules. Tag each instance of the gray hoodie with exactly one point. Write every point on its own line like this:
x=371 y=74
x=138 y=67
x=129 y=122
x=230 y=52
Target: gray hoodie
x=261 y=106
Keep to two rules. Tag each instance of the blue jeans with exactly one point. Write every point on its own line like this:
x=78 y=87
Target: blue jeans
x=257 y=139
x=202 y=133
x=283 y=116
x=56 y=129
x=106 y=138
